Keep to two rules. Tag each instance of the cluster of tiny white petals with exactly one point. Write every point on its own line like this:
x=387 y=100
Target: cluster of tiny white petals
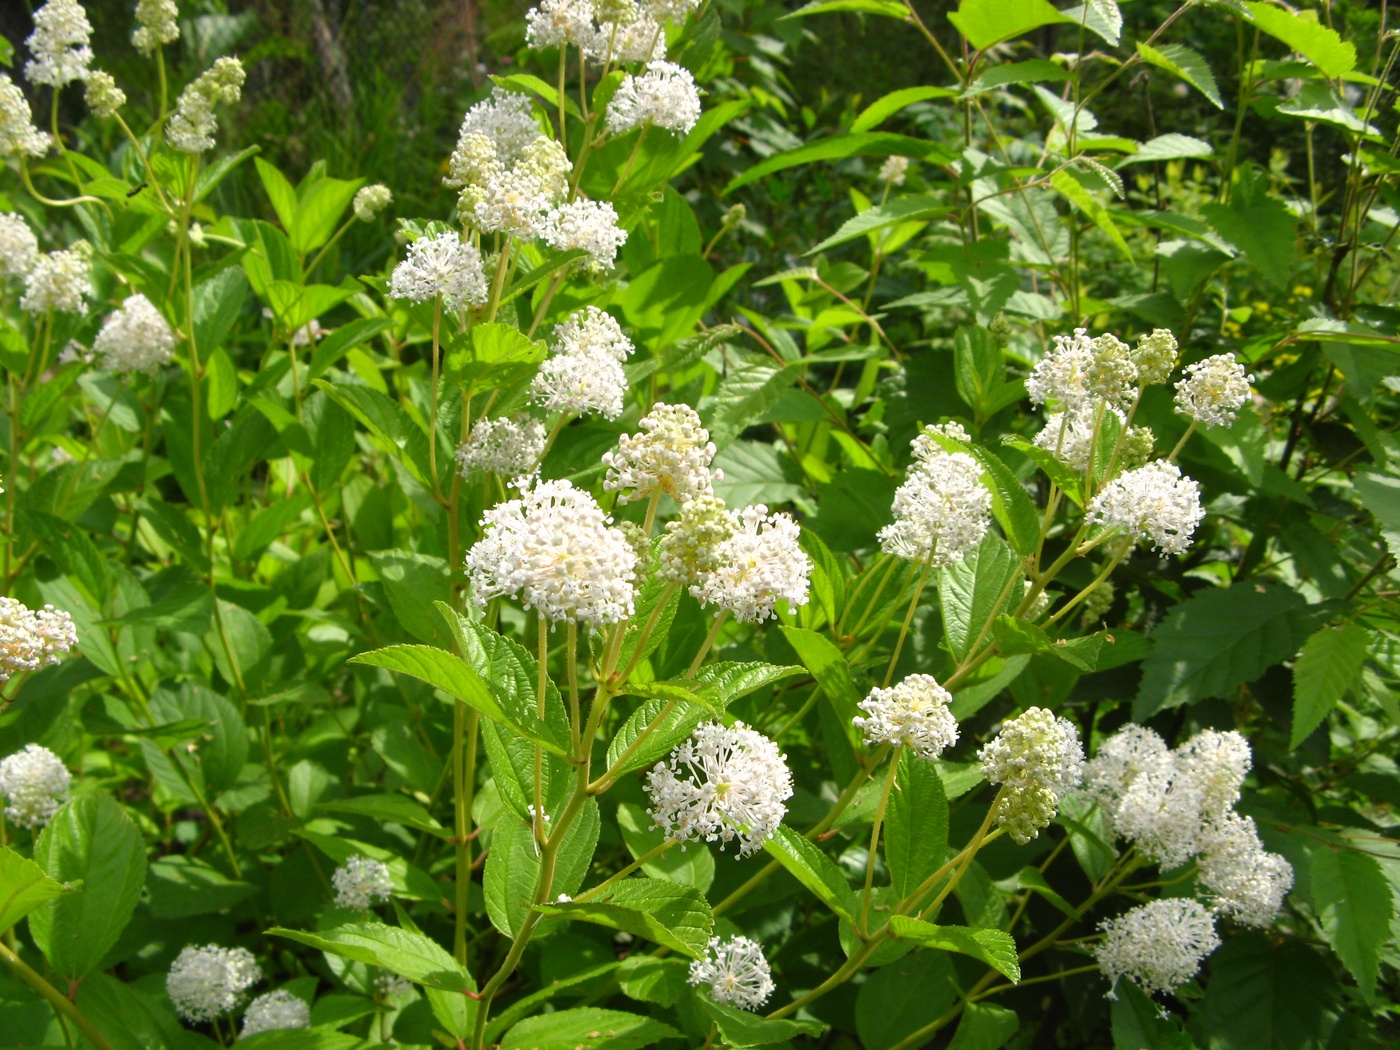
x=1159 y=945
x=1061 y=377
x=102 y=95
x=157 y=22
x=309 y=333
x=31 y=639
x=509 y=447
x=584 y=371
x=1215 y=764
x=57 y=281
x=894 y=170
x=18 y=135
x=59 y=44
x=443 y=267
x=556 y=549
x=664 y=97
x=209 y=982
x=506 y=123
x=33 y=782
x=135 y=338
x=192 y=126
x=1070 y=436
x=1155 y=356
x=391 y=985
x=690 y=548
x=1240 y=878
x=361 y=882
x=274 y=1012
x=941 y=510
x=557 y=22
x=1153 y=503
x=629 y=36
x=521 y=200
x=724 y=783
x=1037 y=758
x=1213 y=390
x=18 y=245
x=371 y=200
x=913 y=713
x=1160 y=811
x=736 y=971
x=760 y=564
x=587 y=225
x=672 y=454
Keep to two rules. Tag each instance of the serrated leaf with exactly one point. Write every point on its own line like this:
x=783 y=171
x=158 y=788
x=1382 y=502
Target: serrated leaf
x=814 y=869
x=993 y=947
x=734 y=679
x=1168 y=147
x=1380 y=494
x=743 y=396
x=972 y=592
x=985 y=1026
x=1072 y=190
x=23 y=887
x=739 y=1028
x=412 y=956
x=1325 y=669
x=677 y=724
x=1353 y=900
x=829 y=667
x=988 y=22
x=1264 y=230
x=916 y=824
x=1319 y=44
x=587 y=1028
x=1180 y=61
x=665 y=913
x=886 y=106
x=396 y=808
x=1267 y=994
x=903 y=209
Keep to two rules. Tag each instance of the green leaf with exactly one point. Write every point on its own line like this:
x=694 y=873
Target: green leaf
x=974 y=591
x=181 y=886
x=301 y=1039
x=1011 y=505
x=916 y=824
x=814 y=869
x=689 y=867
x=875 y=114
x=91 y=839
x=1032 y=71
x=1267 y=994
x=985 y=1026
x=398 y=809
x=885 y=8
x=864 y=144
x=1075 y=192
x=988 y=22
x=665 y=913
x=678 y=724
x=1355 y=907
x=651 y=980
x=886 y=1012
x=319 y=211
x=1264 y=230
x=414 y=582
x=1168 y=147
x=23 y=887
x=1139 y=1023
x=533 y=85
x=1218 y=639
x=734 y=679
x=1319 y=44
x=739 y=1028
x=993 y=947
x=217 y=304
x=902 y=209
x=409 y=882
x=220 y=749
x=342 y=340
x=513 y=866
x=744 y=395
x=279 y=191
x=587 y=1028
x=410 y=955
x=1031 y=879
x=679 y=692
x=1325 y=669
x=1180 y=61
x=1380 y=494
x=832 y=672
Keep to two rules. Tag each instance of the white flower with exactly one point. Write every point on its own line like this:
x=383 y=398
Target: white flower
x=157 y=22
x=587 y=225
x=760 y=564
x=308 y=333
x=30 y=640
x=664 y=96
x=18 y=246
x=677 y=10
x=1038 y=759
x=360 y=882
x=1215 y=764
x=1119 y=761
x=102 y=95
x=273 y=1012
x=493 y=139
x=508 y=447
x=1213 y=390
x=34 y=782
x=191 y=128
x=1072 y=442
x=391 y=986
x=135 y=338
x=721 y=784
x=1133 y=779
x=371 y=200
x=206 y=983
x=58 y=281
x=556 y=550
x=557 y=22
x=914 y=713
x=444 y=266
x=894 y=170
x=1240 y=877
x=59 y=44
x=690 y=548
x=942 y=510
x=1155 y=356
x=636 y=38
x=736 y=971
x=1158 y=945
x=18 y=135
x=672 y=454
x=1152 y=503
x=1062 y=375
x=584 y=372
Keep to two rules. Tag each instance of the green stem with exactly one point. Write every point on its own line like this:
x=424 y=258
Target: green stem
x=433 y=396
x=875 y=840
x=461 y=831
x=646 y=858
x=61 y=1003
x=909 y=618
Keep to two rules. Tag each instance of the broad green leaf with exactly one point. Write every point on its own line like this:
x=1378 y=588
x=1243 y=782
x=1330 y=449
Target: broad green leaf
x=181 y=886
x=864 y=144
x=513 y=867
x=887 y=1012
x=414 y=582
x=733 y=679
x=587 y=1028
x=993 y=947
x=1380 y=494
x=832 y=673
x=651 y=980
x=1077 y=194
x=301 y=1039
x=91 y=839
x=740 y=1028
x=409 y=882
x=1319 y=44
x=1267 y=994
x=1031 y=879
x=743 y=396
x=677 y=724
x=694 y=866
x=528 y=1006
x=1355 y=906
x=1218 y=639
x=319 y=210
x=1031 y=71
x=1325 y=669
x=216 y=756
x=1180 y=61
x=988 y=22
x=879 y=111
x=665 y=913
x=23 y=887
x=1011 y=506
x=279 y=191
x=986 y=1026
x=814 y=869
x=1139 y=1024
x=342 y=340
x=395 y=432
x=886 y=8
x=916 y=823
x=677 y=692
x=1264 y=230
x=398 y=809
x=902 y=209
x=1168 y=147
x=974 y=591
x=412 y=956
x=217 y=303
x=547 y=93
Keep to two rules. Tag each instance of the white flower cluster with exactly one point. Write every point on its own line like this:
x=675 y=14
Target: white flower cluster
x=192 y=126
x=31 y=639
x=1037 y=758
x=894 y=170
x=371 y=200
x=59 y=44
x=556 y=549
x=1155 y=356
x=157 y=22
x=690 y=547
x=18 y=246
x=445 y=267
x=274 y=1012
x=1242 y=879
x=57 y=281
x=736 y=971
x=1155 y=503
x=1080 y=371
x=913 y=713
x=664 y=96
x=942 y=510
x=609 y=31
x=1213 y=391
x=1070 y=435
x=135 y=338
x=18 y=135
x=34 y=782
x=509 y=447
x=724 y=783
x=1159 y=945
x=102 y=95
x=361 y=882
x=584 y=371
x=209 y=982
x=758 y=565
x=672 y=454
x=589 y=226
